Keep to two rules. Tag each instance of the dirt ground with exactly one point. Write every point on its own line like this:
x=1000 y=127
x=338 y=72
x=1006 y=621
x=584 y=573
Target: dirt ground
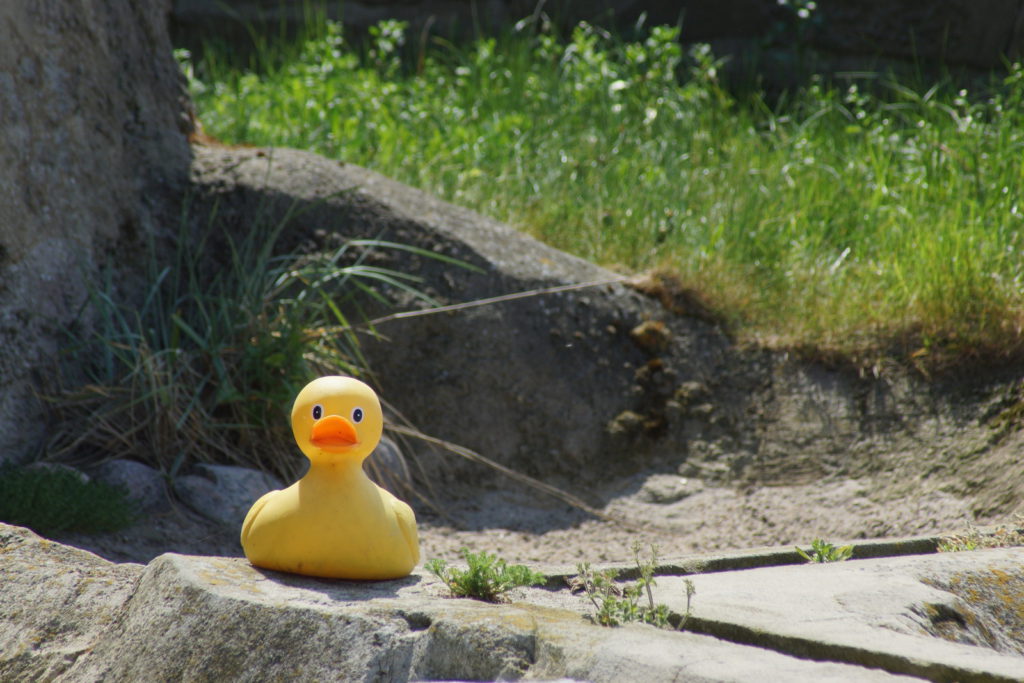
x=681 y=516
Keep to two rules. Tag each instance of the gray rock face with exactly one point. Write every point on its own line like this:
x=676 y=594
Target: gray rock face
x=224 y=493
x=889 y=612
x=92 y=140
x=143 y=483
x=545 y=384
x=532 y=383
x=389 y=468
x=67 y=615
x=55 y=602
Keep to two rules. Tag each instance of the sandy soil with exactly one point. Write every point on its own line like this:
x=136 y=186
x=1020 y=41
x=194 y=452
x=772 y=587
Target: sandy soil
x=680 y=515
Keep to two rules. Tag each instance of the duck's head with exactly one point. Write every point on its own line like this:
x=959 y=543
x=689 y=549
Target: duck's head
x=337 y=419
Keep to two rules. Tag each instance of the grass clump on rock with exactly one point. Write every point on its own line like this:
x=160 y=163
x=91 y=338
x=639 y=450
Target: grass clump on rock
x=205 y=366
x=54 y=499
x=487 y=577
x=869 y=216
x=973 y=538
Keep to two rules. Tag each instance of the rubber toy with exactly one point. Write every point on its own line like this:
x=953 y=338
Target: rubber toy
x=334 y=522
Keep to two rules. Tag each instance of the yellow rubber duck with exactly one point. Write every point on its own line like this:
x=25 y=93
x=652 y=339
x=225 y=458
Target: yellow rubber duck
x=334 y=522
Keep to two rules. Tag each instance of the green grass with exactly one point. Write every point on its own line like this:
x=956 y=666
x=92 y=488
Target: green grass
x=52 y=500
x=870 y=218
x=203 y=366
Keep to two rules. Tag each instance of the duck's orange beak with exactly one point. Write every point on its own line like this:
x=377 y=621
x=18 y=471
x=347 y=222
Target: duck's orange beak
x=333 y=431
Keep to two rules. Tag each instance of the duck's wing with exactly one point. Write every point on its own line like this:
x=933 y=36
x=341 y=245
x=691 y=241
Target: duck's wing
x=407 y=523
x=254 y=512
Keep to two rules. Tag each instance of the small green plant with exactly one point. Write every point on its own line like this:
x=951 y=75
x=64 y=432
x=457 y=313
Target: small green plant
x=617 y=605
x=487 y=577
x=50 y=500
x=823 y=551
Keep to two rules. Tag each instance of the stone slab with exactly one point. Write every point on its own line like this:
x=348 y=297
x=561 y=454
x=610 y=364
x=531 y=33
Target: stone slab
x=55 y=602
x=877 y=612
x=68 y=615
x=204 y=618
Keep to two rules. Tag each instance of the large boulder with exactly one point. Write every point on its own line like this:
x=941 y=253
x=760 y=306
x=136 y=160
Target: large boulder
x=67 y=615
x=56 y=601
x=582 y=386
x=535 y=383
x=93 y=143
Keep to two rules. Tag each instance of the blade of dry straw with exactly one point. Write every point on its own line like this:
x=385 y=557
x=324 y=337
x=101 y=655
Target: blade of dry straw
x=494 y=300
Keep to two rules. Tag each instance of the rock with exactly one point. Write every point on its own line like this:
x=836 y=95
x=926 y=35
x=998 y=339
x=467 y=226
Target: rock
x=55 y=602
x=652 y=336
x=690 y=393
x=668 y=488
x=144 y=484
x=61 y=467
x=556 y=398
x=626 y=423
x=387 y=466
x=880 y=612
x=69 y=615
x=224 y=493
x=514 y=398
x=93 y=152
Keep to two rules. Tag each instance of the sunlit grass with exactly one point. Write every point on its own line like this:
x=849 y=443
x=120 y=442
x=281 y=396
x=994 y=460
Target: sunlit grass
x=866 y=218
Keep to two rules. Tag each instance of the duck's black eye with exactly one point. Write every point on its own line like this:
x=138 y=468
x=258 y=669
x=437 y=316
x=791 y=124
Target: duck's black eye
x=357 y=415
x=318 y=411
